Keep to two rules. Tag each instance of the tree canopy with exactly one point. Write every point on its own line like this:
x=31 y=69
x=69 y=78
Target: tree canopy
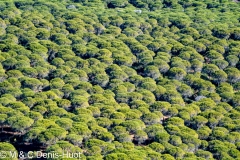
x=121 y=79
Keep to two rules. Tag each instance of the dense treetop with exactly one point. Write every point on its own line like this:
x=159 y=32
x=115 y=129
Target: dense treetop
x=121 y=79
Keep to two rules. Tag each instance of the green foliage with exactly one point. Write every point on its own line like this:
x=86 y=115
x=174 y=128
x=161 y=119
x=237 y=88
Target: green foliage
x=8 y=150
x=121 y=79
